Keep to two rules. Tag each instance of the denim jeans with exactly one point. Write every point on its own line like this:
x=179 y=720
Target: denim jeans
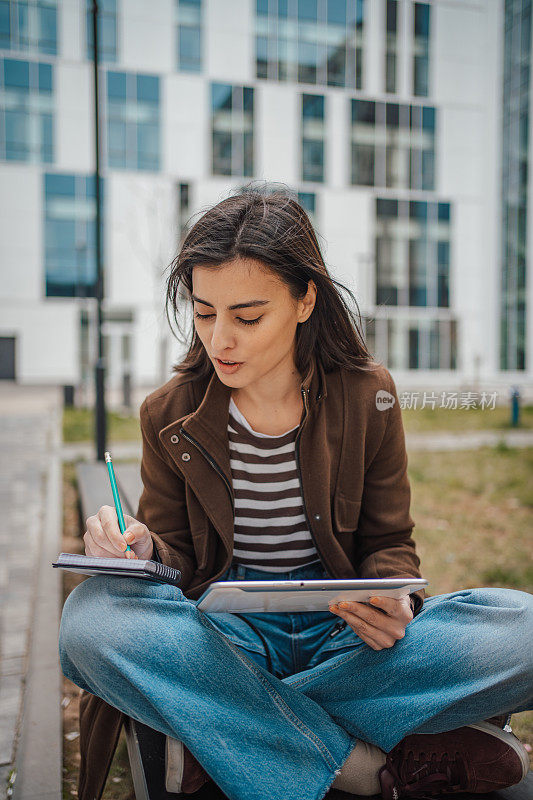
x=272 y=704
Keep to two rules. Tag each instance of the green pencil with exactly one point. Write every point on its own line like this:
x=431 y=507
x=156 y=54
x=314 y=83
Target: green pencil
x=116 y=496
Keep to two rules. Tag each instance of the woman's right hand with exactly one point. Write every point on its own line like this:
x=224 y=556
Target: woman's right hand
x=103 y=538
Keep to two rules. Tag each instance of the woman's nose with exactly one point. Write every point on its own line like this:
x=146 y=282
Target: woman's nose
x=223 y=336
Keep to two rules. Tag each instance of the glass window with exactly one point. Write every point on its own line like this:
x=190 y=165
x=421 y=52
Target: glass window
x=69 y=241
x=26 y=111
x=232 y=129
x=421 y=49
x=107 y=30
x=412 y=253
x=313 y=136
x=29 y=25
x=310 y=41
x=16 y=74
x=189 y=35
x=189 y=49
x=133 y=125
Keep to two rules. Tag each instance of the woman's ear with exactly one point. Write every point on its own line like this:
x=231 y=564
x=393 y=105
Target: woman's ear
x=307 y=303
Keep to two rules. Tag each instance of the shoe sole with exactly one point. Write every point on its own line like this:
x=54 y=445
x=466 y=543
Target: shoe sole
x=509 y=738
x=173 y=765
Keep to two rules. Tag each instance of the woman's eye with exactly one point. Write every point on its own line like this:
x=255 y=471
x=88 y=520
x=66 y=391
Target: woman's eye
x=244 y=321
x=249 y=321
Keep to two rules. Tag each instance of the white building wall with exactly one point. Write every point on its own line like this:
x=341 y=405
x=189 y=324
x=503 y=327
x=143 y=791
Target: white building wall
x=465 y=87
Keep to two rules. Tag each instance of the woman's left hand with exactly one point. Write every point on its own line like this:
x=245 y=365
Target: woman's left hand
x=379 y=626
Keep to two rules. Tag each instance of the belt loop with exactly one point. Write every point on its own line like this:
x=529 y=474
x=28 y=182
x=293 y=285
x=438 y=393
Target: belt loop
x=241 y=571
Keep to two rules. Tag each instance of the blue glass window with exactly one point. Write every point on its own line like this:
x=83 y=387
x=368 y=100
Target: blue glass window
x=189 y=35
x=29 y=25
x=421 y=49
x=133 y=124
x=26 y=111
x=69 y=235
x=107 y=30
x=310 y=42
x=408 y=159
x=232 y=129
x=313 y=135
x=412 y=253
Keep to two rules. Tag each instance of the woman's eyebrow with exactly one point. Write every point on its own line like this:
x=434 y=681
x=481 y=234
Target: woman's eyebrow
x=249 y=304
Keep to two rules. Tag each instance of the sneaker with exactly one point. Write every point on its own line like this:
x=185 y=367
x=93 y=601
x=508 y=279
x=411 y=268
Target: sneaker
x=183 y=773
x=477 y=758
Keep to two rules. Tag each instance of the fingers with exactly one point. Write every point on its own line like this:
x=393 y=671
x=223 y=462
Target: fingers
x=103 y=537
x=139 y=539
x=401 y=609
x=374 y=627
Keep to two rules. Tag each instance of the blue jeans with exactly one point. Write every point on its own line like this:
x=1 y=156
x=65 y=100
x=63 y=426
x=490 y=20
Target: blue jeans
x=273 y=708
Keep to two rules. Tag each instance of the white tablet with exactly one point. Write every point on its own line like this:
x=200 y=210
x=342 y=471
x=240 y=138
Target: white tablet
x=305 y=595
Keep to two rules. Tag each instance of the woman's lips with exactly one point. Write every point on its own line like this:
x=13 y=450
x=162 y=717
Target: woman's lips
x=228 y=368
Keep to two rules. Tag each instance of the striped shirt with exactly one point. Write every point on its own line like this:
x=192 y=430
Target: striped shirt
x=270 y=528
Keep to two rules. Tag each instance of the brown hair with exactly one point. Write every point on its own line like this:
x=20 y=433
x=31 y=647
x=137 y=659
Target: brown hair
x=273 y=229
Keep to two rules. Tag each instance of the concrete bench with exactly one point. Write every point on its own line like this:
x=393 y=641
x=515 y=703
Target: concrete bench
x=147 y=747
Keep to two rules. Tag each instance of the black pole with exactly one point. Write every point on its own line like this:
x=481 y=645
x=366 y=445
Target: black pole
x=100 y=415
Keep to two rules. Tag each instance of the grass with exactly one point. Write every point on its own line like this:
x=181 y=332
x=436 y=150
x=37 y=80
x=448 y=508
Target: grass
x=78 y=423
x=79 y=426
x=428 y=420
x=473 y=512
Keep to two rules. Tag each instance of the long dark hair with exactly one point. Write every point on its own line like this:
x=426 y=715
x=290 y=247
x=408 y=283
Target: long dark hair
x=274 y=229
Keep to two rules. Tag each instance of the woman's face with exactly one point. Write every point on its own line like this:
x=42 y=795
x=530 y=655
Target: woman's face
x=244 y=313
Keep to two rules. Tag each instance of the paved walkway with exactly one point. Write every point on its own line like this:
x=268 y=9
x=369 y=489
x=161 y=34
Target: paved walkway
x=30 y=538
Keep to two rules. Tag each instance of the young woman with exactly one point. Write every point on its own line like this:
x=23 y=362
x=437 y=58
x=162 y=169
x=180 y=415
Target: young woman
x=277 y=451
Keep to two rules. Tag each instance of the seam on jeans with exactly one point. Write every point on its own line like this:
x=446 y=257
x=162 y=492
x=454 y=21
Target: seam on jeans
x=287 y=712
x=341 y=662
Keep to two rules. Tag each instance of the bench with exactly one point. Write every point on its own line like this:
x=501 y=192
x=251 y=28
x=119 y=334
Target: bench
x=146 y=747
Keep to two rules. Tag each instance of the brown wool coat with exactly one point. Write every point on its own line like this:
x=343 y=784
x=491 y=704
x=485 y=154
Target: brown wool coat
x=353 y=467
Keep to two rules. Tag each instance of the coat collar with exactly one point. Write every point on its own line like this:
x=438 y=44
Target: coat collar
x=208 y=424
x=211 y=417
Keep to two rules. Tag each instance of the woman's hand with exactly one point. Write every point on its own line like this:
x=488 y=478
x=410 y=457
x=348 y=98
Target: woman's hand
x=103 y=538
x=381 y=626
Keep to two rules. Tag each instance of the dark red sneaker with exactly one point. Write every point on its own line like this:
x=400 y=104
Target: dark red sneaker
x=477 y=758
x=183 y=773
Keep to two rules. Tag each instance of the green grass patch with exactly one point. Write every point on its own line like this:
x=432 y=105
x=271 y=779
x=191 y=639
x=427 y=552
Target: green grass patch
x=473 y=513
x=79 y=426
x=427 y=420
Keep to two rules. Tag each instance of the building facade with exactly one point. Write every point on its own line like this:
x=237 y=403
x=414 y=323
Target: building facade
x=401 y=125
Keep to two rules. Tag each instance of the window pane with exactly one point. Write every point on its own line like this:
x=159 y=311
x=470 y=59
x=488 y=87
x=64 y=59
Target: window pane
x=148 y=88
x=363 y=164
x=17 y=135
x=221 y=96
x=307 y=9
x=313 y=106
x=221 y=153
x=16 y=74
x=189 y=48
x=313 y=160
x=364 y=111
x=45 y=78
x=5 y=25
x=116 y=85
x=337 y=12
x=48 y=27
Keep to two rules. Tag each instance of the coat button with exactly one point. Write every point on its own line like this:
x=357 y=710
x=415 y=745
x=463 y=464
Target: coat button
x=174 y=439
x=185 y=457
x=317 y=516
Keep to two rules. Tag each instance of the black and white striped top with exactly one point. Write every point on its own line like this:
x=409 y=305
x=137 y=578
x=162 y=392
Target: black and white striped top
x=270 y=529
